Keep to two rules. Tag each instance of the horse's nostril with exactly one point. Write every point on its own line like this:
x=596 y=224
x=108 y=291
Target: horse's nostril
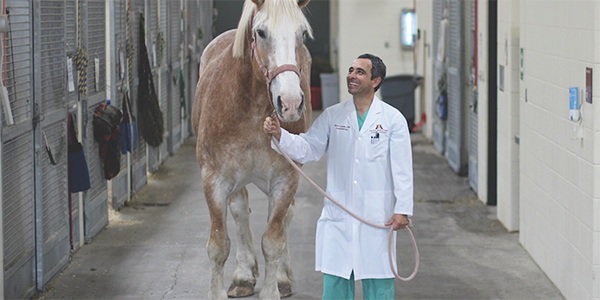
x=279 y=104
x=301 y=106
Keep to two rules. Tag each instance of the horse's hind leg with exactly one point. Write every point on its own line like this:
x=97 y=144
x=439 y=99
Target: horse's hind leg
x=284 y=272
x=246 y=272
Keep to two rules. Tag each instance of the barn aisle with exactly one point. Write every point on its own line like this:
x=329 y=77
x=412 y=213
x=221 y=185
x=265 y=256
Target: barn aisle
x=155 y=247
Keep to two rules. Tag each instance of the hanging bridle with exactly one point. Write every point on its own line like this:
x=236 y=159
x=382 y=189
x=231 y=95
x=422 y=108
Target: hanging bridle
x=270 y=75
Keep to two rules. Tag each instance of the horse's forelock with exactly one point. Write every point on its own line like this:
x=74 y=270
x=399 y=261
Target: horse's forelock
x=243 y=27
x=273 y=12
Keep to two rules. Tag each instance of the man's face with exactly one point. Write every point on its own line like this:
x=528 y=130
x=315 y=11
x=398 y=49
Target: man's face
x=359 y=78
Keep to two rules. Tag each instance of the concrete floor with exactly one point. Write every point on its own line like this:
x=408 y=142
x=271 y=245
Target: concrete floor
x=155 y=247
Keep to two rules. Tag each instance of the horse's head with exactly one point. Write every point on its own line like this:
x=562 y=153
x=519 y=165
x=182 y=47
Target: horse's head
x=278 y=30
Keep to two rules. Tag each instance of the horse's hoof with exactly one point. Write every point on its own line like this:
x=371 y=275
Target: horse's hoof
x=285 y=289
x=239 y=289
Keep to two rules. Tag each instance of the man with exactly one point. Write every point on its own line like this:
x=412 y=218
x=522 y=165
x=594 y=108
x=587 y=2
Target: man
x=369 y=171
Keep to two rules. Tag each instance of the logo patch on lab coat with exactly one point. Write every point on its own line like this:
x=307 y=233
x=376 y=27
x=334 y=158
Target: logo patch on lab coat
x=376 y=132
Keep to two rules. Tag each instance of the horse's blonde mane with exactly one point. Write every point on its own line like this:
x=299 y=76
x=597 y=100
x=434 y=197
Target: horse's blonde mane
x=274 y=12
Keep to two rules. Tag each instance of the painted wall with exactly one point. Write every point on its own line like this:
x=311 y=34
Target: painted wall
x=482 y=101
x=559 y=172
x=371 y=27
x=508 y=114
x=424 y=65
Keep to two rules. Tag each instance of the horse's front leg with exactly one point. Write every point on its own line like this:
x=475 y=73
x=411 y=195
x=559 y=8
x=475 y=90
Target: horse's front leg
x=273 y=240
x=246 y=272
x=284 y=272
x=218 y=242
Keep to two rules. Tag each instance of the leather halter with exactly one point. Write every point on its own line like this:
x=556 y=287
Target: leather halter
x=270 y=75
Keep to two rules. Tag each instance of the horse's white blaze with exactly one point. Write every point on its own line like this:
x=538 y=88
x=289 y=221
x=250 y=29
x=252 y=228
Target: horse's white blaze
x=286 y=90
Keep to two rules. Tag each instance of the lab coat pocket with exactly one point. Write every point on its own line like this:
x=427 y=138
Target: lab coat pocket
x=331 y=211
x=378 y=206
x=378 y=148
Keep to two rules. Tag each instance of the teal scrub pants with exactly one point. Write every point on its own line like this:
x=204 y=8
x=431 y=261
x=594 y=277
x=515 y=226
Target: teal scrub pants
x=338 y=288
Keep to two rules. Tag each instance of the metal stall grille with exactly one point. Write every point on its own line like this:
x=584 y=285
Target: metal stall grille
x=473 y=121
x=92 y=33
x=195 y=23
x=18 y=157
x=96 y=45
x=163 y=84
x=139 y=161
x=439 y=68
x=96 y=48
x=455 y=145
x=153 y=153
x=175 y=63
x=121 y=181
x=70 y=45
x=53 y=243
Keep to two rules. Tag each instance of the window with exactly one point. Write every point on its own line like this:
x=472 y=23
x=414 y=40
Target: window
x=409 y=28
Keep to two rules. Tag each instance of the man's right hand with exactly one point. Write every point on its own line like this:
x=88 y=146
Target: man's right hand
x=271 y=126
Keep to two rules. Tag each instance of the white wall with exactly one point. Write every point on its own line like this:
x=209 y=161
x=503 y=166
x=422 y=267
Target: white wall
x=424 y=66
x=371 y=27
x=508 y=114
x=560 y=174
x=482 y=99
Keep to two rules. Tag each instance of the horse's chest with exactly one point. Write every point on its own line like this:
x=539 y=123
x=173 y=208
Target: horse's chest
x=245 y=154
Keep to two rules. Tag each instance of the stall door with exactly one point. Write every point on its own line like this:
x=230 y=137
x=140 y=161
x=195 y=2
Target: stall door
x=73 y=103
x=50 y=81
x=120 y=184
x=163 y=84
x=139 y=176
x=153 y=36
x=439 y=75
x=93 y=34
x=175 y=50
x=456 y=151
x=472 y=112
x=18 y=157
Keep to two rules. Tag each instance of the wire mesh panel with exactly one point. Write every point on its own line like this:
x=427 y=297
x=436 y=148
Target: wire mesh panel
x=455 y=148
x=120 y=182
x=139 y=174
x=92 y=40
x=473 y=121
x=72 y=99
x=439 y=69
x=153 y=153
x=96 y=46
x=18 y=164
x=55 y=244
x=175 y=39
x=163 y=84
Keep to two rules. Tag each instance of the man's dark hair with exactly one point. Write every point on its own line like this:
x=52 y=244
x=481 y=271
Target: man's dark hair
x=377 y=68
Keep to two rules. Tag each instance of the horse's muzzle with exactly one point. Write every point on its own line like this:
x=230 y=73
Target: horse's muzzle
x=289 y=111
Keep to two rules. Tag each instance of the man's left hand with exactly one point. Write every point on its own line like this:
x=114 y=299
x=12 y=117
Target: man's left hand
x=398 y=221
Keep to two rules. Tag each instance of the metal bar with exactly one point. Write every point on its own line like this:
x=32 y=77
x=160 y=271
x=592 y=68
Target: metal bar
x=39 y=238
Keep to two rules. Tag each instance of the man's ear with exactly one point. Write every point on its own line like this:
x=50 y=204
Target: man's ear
x=376 y=81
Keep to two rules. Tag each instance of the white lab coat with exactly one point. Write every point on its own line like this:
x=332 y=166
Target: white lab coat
x=369 y=172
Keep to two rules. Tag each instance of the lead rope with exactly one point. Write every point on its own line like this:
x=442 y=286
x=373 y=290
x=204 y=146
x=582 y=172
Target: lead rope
x=391 y=228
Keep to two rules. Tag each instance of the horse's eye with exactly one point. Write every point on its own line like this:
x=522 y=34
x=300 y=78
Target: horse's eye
x=261 y=33
x=304 y=34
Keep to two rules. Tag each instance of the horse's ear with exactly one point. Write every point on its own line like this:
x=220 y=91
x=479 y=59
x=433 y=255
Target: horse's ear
x=258 y=2
x=302 y=3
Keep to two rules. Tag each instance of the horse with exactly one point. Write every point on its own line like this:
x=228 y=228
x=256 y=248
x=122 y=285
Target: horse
x=246 y=74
